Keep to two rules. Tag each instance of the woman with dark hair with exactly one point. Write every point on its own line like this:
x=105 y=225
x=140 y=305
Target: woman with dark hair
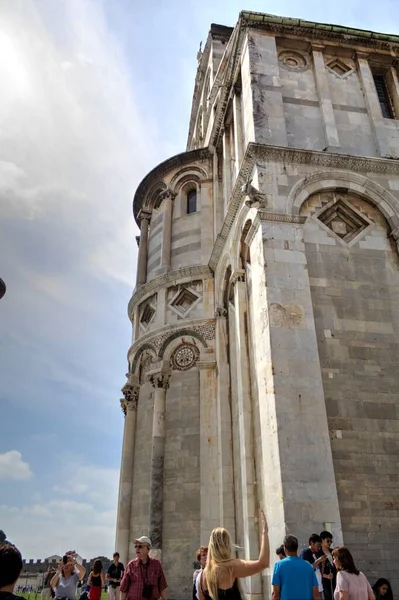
x=96 y=580
x=352 y=584
x=382 y=589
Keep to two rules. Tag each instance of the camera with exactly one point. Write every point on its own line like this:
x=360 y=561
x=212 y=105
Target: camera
x=147 y=591
x=64 y=559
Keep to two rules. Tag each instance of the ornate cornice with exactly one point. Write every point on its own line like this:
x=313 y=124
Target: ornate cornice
x=165 y=280
x=326 y=160
x=316 y=31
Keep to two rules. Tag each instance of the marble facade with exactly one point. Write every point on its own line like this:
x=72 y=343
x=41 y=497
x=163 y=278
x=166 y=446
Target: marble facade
x=264 y=361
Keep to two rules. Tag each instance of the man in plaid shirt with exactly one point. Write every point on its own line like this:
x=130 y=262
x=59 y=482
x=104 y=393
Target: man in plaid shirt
x=144 y=578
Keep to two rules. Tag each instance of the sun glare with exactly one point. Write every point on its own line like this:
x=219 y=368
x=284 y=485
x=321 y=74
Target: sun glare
x=14 y=74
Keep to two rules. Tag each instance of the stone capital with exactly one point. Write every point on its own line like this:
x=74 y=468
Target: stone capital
x=221 y=311
x=238 y=275
x=167 y=195
x=143 y=214
x=160 y=379
x=361 y=55
x=315 y=47
x=128 y=405
x=130 y=391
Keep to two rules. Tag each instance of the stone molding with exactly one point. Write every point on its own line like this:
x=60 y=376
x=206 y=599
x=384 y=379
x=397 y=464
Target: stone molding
x=221 y=312
x=269 y=216
x=165 y=280
x=328 y=160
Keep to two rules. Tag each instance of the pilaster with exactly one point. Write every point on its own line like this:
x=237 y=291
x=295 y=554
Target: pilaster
x=326 y=107
x=224 y=432
x=372 y=104
x=292 y=404
x=245 y=428
x=209 y=460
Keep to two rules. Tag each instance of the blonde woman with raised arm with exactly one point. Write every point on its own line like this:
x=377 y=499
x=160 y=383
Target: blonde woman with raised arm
x=219 y=579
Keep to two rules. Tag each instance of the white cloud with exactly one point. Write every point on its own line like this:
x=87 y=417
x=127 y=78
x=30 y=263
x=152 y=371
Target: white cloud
x=13 y=467
x=80 y=512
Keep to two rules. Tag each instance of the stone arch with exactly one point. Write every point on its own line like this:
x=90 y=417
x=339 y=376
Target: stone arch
x=176 y=335
x=196 y=173
x=135 y=362
x=224 y=264
x=153 y=195
x=344 y=181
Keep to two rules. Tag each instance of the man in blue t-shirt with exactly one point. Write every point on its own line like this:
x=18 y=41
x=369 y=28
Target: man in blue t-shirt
x=294 y=578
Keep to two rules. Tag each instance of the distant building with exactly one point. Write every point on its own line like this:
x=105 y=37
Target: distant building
x=33 y=570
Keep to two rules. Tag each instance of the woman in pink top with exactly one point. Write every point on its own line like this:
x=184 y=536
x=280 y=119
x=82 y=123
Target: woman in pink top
x=352 y=584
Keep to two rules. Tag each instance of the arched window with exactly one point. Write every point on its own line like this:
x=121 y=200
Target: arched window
x=191 y=202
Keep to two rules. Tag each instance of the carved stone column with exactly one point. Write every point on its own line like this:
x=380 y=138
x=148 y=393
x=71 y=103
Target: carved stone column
x=372 y=104
x=143 y=248
x=226 y=478
x=167 y=198
x=209 y=460
x=238 y=135
x=226 y=167
x=249 y=501
x=129 y=406
x=160 y=382
x=326 y=107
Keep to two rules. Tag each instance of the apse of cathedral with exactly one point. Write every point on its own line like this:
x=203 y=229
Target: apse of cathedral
x=264 y=365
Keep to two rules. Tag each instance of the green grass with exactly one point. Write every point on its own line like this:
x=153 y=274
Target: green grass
x=37 y=596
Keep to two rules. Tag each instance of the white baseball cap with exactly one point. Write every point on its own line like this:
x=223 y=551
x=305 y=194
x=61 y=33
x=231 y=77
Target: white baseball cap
x=144 y=540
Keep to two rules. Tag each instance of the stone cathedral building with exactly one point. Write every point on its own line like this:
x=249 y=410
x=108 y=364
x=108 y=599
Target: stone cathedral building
x=264 y=365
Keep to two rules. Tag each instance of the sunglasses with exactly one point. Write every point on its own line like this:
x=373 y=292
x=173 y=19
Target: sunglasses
x=139 y=546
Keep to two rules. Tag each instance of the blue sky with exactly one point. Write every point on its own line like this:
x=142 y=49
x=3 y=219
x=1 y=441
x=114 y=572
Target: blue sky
x=94 y=94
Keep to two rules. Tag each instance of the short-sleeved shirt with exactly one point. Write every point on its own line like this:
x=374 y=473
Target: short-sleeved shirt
x=357 y=585
x=115 y=572
x=296 y=578
x=138 y=574
x=307 y=554
x=67 y=587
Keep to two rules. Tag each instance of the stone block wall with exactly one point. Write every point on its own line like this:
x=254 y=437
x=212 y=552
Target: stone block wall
x=315 y=95
x=355 y=293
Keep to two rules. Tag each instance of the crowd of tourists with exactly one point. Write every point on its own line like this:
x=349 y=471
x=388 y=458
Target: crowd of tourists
x=316 y=573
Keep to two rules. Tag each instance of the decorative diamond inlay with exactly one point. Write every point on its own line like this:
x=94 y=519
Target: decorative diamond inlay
x=184 y=301
x=147 y=315
x=339 y=68
x=342 y=220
